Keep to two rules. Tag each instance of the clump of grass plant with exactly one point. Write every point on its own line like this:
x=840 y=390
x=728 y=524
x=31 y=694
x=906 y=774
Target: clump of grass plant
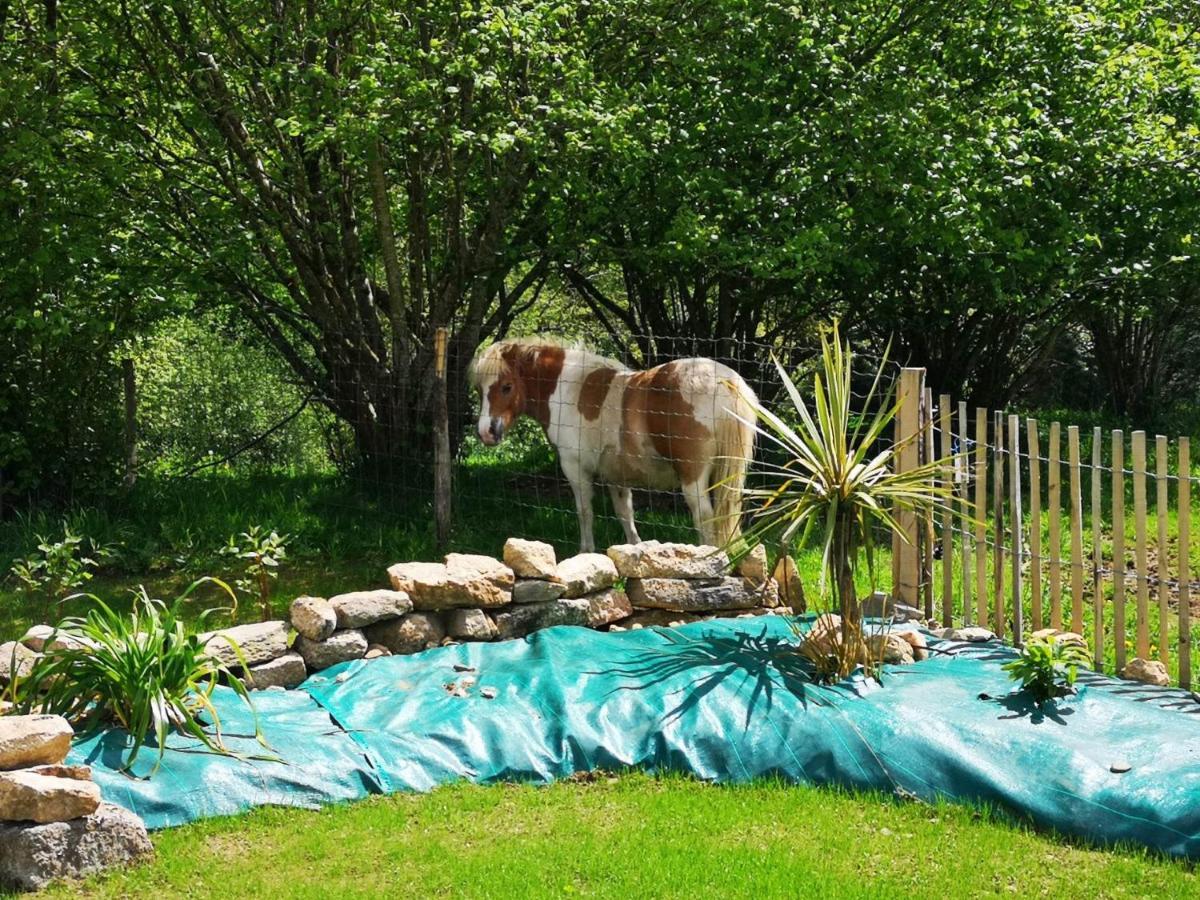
x=830 y=477
x=147 y=672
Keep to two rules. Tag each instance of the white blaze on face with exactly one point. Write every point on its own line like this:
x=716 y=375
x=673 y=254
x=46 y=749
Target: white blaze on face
x=485 y=418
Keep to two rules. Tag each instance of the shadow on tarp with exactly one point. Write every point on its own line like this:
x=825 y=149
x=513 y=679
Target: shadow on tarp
x=725 y=701
x=320 y=764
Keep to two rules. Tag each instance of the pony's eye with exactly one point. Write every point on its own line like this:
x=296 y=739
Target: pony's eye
x=507 y=389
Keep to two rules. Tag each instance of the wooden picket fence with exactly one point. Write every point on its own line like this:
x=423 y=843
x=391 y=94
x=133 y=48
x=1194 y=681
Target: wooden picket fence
x=1003 y=560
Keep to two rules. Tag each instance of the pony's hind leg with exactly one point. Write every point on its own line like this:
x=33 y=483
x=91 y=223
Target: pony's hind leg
x=700 y=503
x=622 y=501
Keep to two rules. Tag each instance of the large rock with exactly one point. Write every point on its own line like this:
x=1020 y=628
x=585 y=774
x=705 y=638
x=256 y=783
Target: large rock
x=791 y=589
x=313 y=617
x=592 y=611
x=651 y=559
x=970 y=634
x=286 y=672
x=882 y=606
x=259 y=643
x=1147 y=671
x=31 y=856
x=528 y=590
x=341 y=646
x=916 y=640
x=462 y=581
x=360 y=608
x=37 y=637
x=408 y=634
x=33 y=740
x=15 y=656
x=29 y=797
x=890 y=648
x=585 y=573
x=754 y=564
x=470 y=625
x=530 y=559
x=680 y=595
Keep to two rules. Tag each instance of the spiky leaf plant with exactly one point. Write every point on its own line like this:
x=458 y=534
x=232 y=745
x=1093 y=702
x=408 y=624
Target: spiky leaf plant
x=147 y=672
x=833 y=481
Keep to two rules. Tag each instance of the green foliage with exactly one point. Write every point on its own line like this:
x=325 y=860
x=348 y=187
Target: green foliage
x=147 y=672
x=59 y=567
x=835 y=483
x=1046 y=668
x=262 y=554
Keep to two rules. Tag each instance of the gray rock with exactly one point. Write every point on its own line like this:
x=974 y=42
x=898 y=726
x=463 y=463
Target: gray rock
x=259 y=643
x=463 y=580
x=535 y=591
x=33 y=740
x=470 y=625
x=881 y=606
x=585 y=573
x=341 y=646
x=681 y=595
x=973 y=634
x=754 y=564
x=313 y=617
x=592 y=611
x=652 y=559
x=31 y=856
x=530 y=559
x=26 y=796
x=408 y=634
x=791 y=589
x=37 y=636
x=361 y=608
x=376 y=651
x=286 y=672
x=15 y=655
x=1147 y=671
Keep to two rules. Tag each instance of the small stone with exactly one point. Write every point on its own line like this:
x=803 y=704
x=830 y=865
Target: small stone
x=652 y=559
x=530 y=559
x=33 y=740
x=681 y=595
x=585 y=573
x=313 y=617
x=286 y=672
x=376 y=651
x=342 y=678
x=342 y=646
x=15 y=655
x=1120 y=767
x=972 y=634
x=31 y=856
x=470 y=625
x=463 y=667
x=28 y=797
x=361 y=608
x=791 y=589
x=532 y=591
x=259 y=643
x=408 y=634
x=1147 y=671
x=488 y=693
x=463 y=580
x=754 y=565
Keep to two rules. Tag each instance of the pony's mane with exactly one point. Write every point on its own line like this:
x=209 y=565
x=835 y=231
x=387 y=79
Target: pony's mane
x=489 y=363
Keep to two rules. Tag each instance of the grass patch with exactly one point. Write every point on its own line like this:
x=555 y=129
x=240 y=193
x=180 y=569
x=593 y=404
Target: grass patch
x=633 y=836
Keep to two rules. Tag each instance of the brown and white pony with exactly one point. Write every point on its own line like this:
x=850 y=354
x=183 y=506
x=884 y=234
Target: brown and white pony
x=684 y=425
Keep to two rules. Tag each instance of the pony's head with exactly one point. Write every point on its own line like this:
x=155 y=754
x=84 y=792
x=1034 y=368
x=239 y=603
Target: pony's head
x=514 y=377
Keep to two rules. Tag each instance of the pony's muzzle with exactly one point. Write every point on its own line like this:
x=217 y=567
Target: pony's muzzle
x=491 y=431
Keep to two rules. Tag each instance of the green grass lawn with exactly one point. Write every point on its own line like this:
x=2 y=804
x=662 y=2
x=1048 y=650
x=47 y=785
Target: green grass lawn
x=635 y=836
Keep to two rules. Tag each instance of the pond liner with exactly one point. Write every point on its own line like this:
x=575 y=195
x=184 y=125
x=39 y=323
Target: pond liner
x=726 y=700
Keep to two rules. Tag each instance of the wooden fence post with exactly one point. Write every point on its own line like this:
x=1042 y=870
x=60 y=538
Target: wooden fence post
x=1076 y=530
x=1054 y=514
x=927 y=532
x=1014 y=450
x=1118 y=545
x=981 y=548
x=1035 y=524
x=441 y=443
x=129 y=378
x=964 y=516
x=1141 y=562
x=1097 y=556
x=998 y=623
x=1185 y=569
x=1162 y=549
x=946 y=418
x=905 y=561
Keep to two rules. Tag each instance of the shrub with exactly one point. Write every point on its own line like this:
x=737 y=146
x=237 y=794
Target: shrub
x=263 y=553
x=57 y=568
x=146 y=672
x=1047 y=668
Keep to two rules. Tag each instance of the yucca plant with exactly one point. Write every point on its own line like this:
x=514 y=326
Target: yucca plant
x=147 y=672
x=836 y=483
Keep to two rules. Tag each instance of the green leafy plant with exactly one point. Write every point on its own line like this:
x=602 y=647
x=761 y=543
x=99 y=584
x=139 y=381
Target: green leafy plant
x=264 y=554
x=833 y=480
x=147 y=672
x=59 y=567
x=1047 y=668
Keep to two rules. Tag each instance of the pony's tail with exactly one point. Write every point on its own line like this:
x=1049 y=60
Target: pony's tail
x=734 y=436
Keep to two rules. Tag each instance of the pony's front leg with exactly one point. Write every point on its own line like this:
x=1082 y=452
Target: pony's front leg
x=622 y=501
x=700 y=505
x=582 y=488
